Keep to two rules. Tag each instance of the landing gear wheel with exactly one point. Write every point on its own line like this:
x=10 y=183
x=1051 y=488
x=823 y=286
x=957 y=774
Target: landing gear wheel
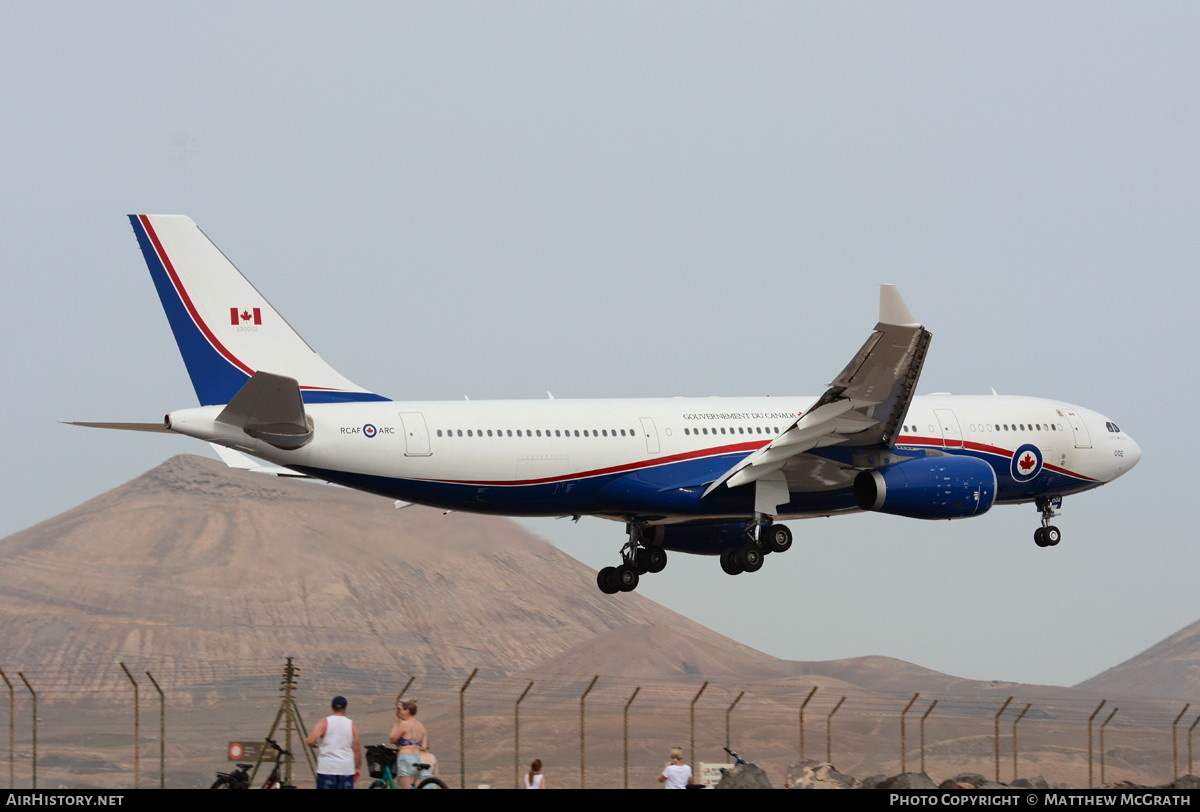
x=656 y=559
x=730 y=562
x=606 y=579
x=750 y=557
x=626 y=578
x=1047 y=536
x=777 y=539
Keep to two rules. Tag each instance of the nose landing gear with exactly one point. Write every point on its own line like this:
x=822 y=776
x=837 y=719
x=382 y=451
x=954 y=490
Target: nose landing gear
x=1048 y=535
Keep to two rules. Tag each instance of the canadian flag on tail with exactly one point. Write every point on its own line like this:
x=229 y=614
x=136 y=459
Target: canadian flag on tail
x=244 y=316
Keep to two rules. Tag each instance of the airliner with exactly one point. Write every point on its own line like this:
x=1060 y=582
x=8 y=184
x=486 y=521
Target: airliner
x=706 y=476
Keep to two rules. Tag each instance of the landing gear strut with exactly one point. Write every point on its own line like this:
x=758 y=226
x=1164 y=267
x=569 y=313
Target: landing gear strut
x=639 y=556
x=1048 y=535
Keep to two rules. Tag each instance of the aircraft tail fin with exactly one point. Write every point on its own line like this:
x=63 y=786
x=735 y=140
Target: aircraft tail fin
x=226 y=330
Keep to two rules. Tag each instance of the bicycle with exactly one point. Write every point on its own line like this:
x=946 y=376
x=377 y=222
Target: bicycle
x=381 y=763
x=240 y=778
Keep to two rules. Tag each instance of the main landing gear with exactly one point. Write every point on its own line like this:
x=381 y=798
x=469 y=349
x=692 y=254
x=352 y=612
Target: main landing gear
x=1048 y=535
x=761 y=538
x=642 y=554
x=639 y=556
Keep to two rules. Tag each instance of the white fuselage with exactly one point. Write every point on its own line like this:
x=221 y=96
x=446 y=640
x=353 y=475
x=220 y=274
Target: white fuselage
x=554 y=457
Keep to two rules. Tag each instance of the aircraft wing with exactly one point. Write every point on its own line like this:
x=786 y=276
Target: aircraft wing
x=863 y=406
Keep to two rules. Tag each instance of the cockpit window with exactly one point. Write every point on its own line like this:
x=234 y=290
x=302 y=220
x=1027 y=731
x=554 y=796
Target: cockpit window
x=1113 y=427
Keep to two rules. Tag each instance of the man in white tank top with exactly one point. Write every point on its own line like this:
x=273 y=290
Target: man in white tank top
x=339 y=756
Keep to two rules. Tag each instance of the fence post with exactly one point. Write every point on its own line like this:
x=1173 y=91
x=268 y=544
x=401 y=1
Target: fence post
x=12 y=737
x=137 y=729
x=404 y=690
x=1020 y=716
x=1104 y=725
x=517 y=737
x=829 y=731
x=32 y=693
x=903 y=733
x=925 y=716
x=996 y=739
x=162 y=732
x=803 y=705
x=728 y=711
x=1091 y=751
x=462 y=729
x=1175 y=743
x=692 y=726
x=1190 y=729
x=583 y=733
x=632 y=697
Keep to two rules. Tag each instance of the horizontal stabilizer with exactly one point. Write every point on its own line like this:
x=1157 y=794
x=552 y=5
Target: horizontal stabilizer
x=270 y=408
x=159 y=427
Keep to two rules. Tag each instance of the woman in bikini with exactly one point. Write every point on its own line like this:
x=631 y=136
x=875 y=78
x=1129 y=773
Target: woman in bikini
x=409 y=735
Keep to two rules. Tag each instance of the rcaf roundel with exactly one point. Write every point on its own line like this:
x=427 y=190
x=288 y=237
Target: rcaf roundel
x=1026 y=463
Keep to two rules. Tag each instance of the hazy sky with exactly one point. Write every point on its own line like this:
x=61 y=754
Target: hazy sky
x=648 y=199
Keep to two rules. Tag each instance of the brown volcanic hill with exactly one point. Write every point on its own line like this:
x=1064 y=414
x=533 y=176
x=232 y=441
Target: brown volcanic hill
x=194 y=561
x=671 y=651
x=1170 y=668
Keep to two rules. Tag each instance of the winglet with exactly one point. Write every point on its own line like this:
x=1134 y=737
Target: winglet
x=893 y=310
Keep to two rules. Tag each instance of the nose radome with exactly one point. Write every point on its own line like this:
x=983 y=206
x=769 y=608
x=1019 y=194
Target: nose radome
x=1133 y=454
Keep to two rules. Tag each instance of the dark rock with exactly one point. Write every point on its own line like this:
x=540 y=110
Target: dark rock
x=909 y=781
x=963 y=781
x=744 y=776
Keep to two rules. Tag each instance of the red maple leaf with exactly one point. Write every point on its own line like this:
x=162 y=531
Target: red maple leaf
x=1027 y=462
x=245 y=315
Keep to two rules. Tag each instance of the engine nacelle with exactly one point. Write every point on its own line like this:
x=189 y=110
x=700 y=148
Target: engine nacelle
x=944 y=487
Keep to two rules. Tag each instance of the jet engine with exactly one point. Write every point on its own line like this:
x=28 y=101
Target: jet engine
x=942 y=487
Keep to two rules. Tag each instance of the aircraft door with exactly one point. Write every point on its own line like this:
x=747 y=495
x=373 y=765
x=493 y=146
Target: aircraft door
x=651 y=433
x=1078 y=428
x=416 y=436
x=948 y=423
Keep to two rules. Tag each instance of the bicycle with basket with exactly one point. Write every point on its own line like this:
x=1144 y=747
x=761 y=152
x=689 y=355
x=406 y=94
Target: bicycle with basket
x=381 y=764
